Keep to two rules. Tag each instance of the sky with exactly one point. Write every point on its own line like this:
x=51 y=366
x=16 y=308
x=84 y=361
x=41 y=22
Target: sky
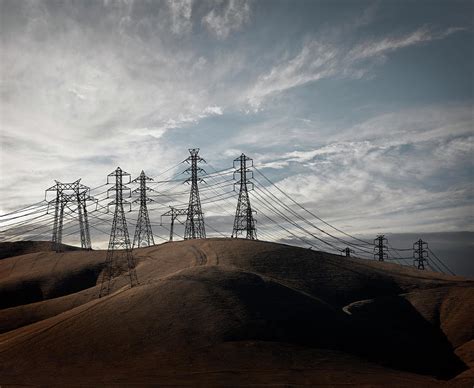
x=360 y=110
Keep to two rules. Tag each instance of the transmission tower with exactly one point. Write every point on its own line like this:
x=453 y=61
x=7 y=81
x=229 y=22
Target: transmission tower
x=244 y=221
x=143 y=233
x=195 y=221
x=173 y=213
x=420 y=254
x=82 y=198
x=74 y=194
x=380 y=248
x=119 y=254
x=347 y=251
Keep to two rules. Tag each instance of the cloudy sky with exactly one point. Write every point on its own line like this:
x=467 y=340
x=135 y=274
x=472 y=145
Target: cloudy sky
x=361 y=110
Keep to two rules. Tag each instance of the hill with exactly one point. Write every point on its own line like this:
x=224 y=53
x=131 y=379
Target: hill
x=233 y=312
x=17 y=248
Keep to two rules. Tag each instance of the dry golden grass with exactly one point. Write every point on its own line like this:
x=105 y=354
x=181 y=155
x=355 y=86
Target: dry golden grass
x=232 y=312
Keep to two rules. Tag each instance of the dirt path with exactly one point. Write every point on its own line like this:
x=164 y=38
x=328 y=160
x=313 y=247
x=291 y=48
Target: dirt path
x=199 y=256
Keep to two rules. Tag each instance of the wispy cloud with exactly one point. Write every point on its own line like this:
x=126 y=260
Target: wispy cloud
x=321 y=60
x=315 y=61
x=227 y=16
x=181 y=12
x=89 y=86
x=401 y=170
x=380 y=47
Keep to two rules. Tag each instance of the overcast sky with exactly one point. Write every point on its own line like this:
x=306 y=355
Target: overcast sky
x=361 y=110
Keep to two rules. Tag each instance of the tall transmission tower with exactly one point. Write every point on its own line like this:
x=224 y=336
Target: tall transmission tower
x=60 y=203
x=244 y=221
x=74 y=194
x=420 y=254
x=143 y=233
x=82 y=198
x=195 y=221
x=119 y=254
x=380 y=248
x=173 y=213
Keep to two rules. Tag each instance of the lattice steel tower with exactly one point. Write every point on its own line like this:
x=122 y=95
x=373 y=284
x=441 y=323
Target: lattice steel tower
x=82 y=198
x=74 y=194
x=244 y=221
x=119 y=254
x=173 y=213
x=380 y=248
x=347 y=251
x=195 y=221
x=420 y=254
x=143 y=233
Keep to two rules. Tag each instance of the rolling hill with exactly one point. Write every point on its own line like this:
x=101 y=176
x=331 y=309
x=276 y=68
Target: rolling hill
x=232 y=312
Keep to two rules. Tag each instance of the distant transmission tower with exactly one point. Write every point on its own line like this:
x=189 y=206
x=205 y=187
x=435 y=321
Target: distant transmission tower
x=420 y=254
x=347 y=251
x=173 y=213
x=244 y=221
x=143 y=233
x=380 y=248
x=195 y=221
x=74 y=194
x=119 y=253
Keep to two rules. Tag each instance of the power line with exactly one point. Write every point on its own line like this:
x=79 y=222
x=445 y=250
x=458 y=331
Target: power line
x=309 y=212
x=21 y=209
x=272 y=197
x=271 y=208
x=441 y=262
x=294 y=213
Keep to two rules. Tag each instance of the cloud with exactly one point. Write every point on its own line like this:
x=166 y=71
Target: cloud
x=412 y=125
x=226 y=17
x=213 y=110
x=392 y=175
x=181 y=12
x=321 y=60
x=315 y=61
x=380 y=47
x=134 y=83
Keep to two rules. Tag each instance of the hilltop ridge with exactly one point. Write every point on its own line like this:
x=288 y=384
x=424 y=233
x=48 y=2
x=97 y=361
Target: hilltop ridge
x=235 y=312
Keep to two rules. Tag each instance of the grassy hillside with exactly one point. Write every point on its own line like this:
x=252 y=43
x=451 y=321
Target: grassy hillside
x=235 y=312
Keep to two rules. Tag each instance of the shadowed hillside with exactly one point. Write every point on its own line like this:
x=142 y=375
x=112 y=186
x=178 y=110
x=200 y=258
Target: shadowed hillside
x=235 y=312
x=17 y=248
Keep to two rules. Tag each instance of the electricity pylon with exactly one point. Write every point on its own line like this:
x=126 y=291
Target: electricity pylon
x=380 y=248
x=347 y=251
x=195 y=221
x=82 y=198
x=244 y=221
x=75 y=194
x=119 y=254
x=420 y=254
x=173 y=213
x=143 y=233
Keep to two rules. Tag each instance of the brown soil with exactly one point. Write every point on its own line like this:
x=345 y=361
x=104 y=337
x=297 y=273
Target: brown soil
x=228 y=312
x=17 y=248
